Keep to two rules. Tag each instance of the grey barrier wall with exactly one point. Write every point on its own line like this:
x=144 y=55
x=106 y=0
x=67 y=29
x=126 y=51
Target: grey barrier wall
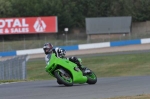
x=14 y=68
x=107 y=25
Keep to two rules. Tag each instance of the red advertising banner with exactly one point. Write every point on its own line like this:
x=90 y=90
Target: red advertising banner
x=28 y=25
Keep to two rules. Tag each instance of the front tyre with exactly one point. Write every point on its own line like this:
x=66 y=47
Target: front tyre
x=59 y=82
x=91 y=78
x=63 y=77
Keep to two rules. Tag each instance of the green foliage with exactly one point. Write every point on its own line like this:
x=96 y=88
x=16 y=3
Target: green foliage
x=5 y=8
x=72 y=13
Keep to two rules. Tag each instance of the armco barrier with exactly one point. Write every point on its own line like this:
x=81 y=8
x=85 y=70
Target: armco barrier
x=79 y=47
x=40 y=50
x=146 y=40
x=68 y=48
x=9 y=53
x=125 y=42
x=29 y=51
x=94 y=45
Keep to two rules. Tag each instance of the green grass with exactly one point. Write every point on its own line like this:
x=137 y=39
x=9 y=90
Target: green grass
x=36 y=70
x=120 y=65
x=103 y=66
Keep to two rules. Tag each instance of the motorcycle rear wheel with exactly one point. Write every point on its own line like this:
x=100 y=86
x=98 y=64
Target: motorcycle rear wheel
x=92 y=79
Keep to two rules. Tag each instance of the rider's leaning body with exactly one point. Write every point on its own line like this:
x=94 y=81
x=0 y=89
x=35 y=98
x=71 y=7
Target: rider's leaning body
x=60 y=53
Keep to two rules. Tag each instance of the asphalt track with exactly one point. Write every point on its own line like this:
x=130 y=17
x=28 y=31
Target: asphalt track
x=104 y=88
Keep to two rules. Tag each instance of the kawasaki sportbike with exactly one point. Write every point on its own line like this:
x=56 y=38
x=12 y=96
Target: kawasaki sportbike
x=68 y=73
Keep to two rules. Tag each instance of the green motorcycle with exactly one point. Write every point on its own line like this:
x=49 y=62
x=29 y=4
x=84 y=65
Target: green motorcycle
x=68 y=73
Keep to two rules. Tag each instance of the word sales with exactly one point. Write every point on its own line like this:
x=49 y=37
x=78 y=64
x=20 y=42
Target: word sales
x=13 y=26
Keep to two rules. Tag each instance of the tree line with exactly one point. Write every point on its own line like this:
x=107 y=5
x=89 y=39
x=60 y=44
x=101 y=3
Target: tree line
x=72 y=13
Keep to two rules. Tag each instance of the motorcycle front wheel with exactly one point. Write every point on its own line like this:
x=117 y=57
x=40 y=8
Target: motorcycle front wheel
x=63 y=77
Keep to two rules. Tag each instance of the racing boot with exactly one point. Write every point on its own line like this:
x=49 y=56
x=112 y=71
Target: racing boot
x=84 y=70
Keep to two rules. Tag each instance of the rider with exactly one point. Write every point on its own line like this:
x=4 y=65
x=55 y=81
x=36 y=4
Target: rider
x=60 y=53
x=48 y=50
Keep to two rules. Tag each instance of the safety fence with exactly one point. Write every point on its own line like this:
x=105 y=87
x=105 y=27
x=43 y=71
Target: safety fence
x=13 y=68
x=79 y=47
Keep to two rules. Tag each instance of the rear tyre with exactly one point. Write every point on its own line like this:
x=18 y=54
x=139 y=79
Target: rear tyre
x=63 y=77
x=91 y=78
